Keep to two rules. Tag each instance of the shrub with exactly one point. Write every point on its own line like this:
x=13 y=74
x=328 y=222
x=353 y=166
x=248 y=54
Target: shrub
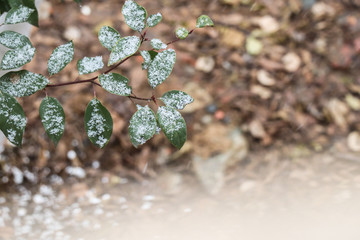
x=158 y=62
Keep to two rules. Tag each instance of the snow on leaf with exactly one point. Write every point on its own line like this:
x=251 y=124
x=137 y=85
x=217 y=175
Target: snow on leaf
x=90 y=64
x=135 y=15
x=60 y=57
x=204 y=21
x=108 y=37
x=154 y=19
x=181 y=32
x=18 y=14
x=147 y=59
x=18 y=57
x=158 y=44
x=13 y=40
x=173 y=125
x=22 y=83
x=115 y=83
x=12 y=119
x=53 y=118
x=98 y=123
x=161 y=67
x=124 y=48
x=142 y=126
x=176 y=99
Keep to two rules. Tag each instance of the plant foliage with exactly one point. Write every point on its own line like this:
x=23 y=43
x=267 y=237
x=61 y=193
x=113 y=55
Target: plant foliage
x=158 y=62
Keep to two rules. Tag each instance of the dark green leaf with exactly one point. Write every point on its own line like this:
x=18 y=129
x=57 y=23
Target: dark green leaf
x=78 y=1
x=12 y=119
x=124 y=48
x=154 y=19
x=18 y=57
x=115 y=83
x=204 y=21
x=108 y=37
x=153 y=54
x=34 y=17
x=13 y=40
x=176 y=99
x=157 y=44
x=53 y=118
x=18 y=14
x=98 y=123
x=182 y=33
x=4 y=6
x=142 y=126
x=135 y=15
x=161 y=67
x=60 y=57
x=90 y=64
x=173 y=125
x=22 y=83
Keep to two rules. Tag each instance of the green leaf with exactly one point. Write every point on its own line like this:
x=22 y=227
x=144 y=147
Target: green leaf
x=53 y=118
x=13 y=40
x=147 y=59
x=18 y=57
x=12 y=119
x=158 y=44
x=4 y=6
x=135 y=15
x=22 y=83
x=124 y=48
x=78 y=1
x=108 y=37
x=60 y=57
x=34 y=17
x=173 y=125
x=98 y=123
x=204 y=21
x=115 y=83
x=18 y=14
x=142 y=126
x=90 y=64
x=181 y=33
x=153 y=54
x=176 y=99
x=154 y=19
x=161 y=67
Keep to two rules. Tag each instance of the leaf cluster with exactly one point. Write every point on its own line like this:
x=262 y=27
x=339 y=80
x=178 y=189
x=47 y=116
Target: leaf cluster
x=158 y=62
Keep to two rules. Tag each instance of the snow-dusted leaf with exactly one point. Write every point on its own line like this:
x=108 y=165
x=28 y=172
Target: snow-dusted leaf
x=13 y=40
x=181 y=33
x=154 y=19
x=34 y=16
x=142 y=126
x=147 y=59
x=22 y=83
x=18 y=57
x=161 y=67
x=98 y=123
x=135 y=15
x=124 y=48
x=115 y=83
x=204 y=21
x=158 y=44
x=60 y=57
x=12 y=119
x=176 y=99
x=53 y=118
x=108 y=37
x=18 y=14
x=90 y=64
x=173 y=125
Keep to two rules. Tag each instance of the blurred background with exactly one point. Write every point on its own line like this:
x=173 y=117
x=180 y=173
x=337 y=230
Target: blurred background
x=273 y=147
